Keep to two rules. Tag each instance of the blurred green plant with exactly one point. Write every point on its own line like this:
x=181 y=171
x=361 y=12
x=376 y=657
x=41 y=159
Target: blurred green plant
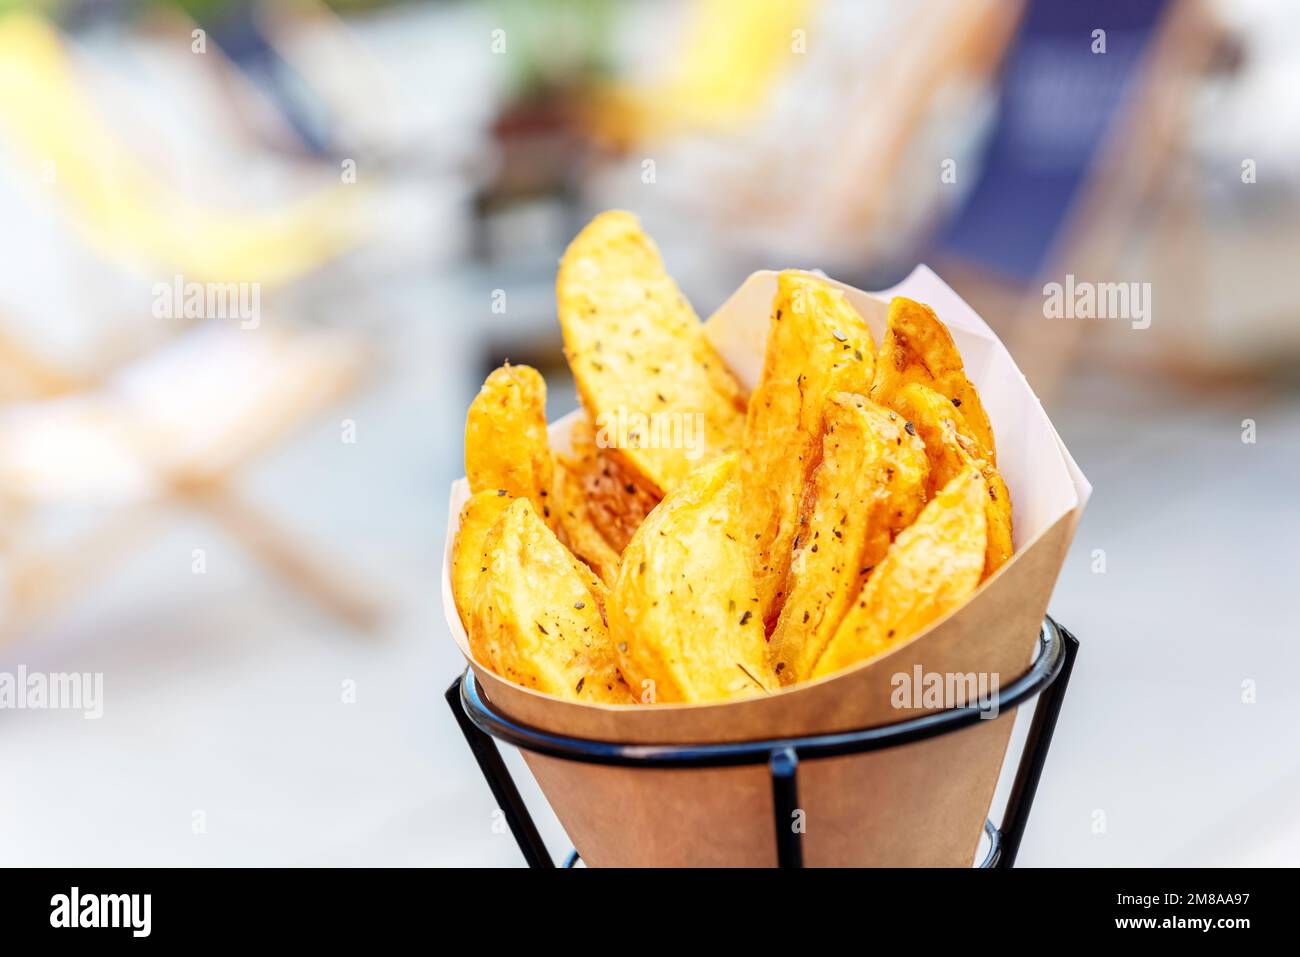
x=554 y=45
x=47 y=7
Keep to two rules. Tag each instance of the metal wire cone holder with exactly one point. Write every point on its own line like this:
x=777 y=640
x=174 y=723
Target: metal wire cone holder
x=1047 y=678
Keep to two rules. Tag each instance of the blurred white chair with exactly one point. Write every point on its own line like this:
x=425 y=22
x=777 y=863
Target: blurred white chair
x=172 y=419
x=172 y=429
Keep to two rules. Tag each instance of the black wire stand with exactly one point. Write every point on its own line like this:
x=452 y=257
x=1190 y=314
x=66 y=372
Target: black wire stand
x=1047 y=678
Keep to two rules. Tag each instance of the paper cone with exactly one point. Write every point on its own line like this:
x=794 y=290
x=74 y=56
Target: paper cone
x=922 y=804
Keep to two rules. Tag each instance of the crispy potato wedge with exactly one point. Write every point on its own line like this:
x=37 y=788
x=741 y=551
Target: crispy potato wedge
x=939 y=425
x=945 y=432
x=869 y=486
x=917 y=347
x=932 y=567
x=480 y=512
x=816 y=344
x=998 y=514
x=537 y=618
x=683 y=612
x=617 y=500
x=505 y=438
x=577 y=530
x=640 y=357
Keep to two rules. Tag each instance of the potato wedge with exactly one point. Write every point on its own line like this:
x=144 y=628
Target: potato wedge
x=945 y=432
x=917 y=347
x=537 y=618
x=998 y=514
x=940 y=426
x=932 y=567
x=640 y=358
x=683 y=612
x=869 y=486
x=480 y=512
x=617 y=500
x=505 y=438
x=816 y=344
x=577 y=530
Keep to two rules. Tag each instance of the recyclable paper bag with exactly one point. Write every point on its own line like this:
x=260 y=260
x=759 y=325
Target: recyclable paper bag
x=916 y=805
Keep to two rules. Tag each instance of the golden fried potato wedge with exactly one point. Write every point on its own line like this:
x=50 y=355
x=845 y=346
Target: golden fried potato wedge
x=480 y=512
x=617 y=502
x=683 y=612
x=918 y=348
x=945 y=432
x=932 y=567
x=537 y=618
x=869 y=486
x=998 y=515
x=816 y=344
x=577 y=530
x=505 y=438
x=641 y=361
x=940 y=426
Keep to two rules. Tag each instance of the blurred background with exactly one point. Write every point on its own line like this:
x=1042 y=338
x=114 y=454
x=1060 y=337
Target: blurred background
x=255 y=259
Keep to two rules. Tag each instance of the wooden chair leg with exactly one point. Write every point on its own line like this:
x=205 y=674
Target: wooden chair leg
x=39 y=580
x=340 y=591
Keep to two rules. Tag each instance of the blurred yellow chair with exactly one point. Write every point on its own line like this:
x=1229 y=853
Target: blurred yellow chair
x=727 y=59
x=123 y=210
